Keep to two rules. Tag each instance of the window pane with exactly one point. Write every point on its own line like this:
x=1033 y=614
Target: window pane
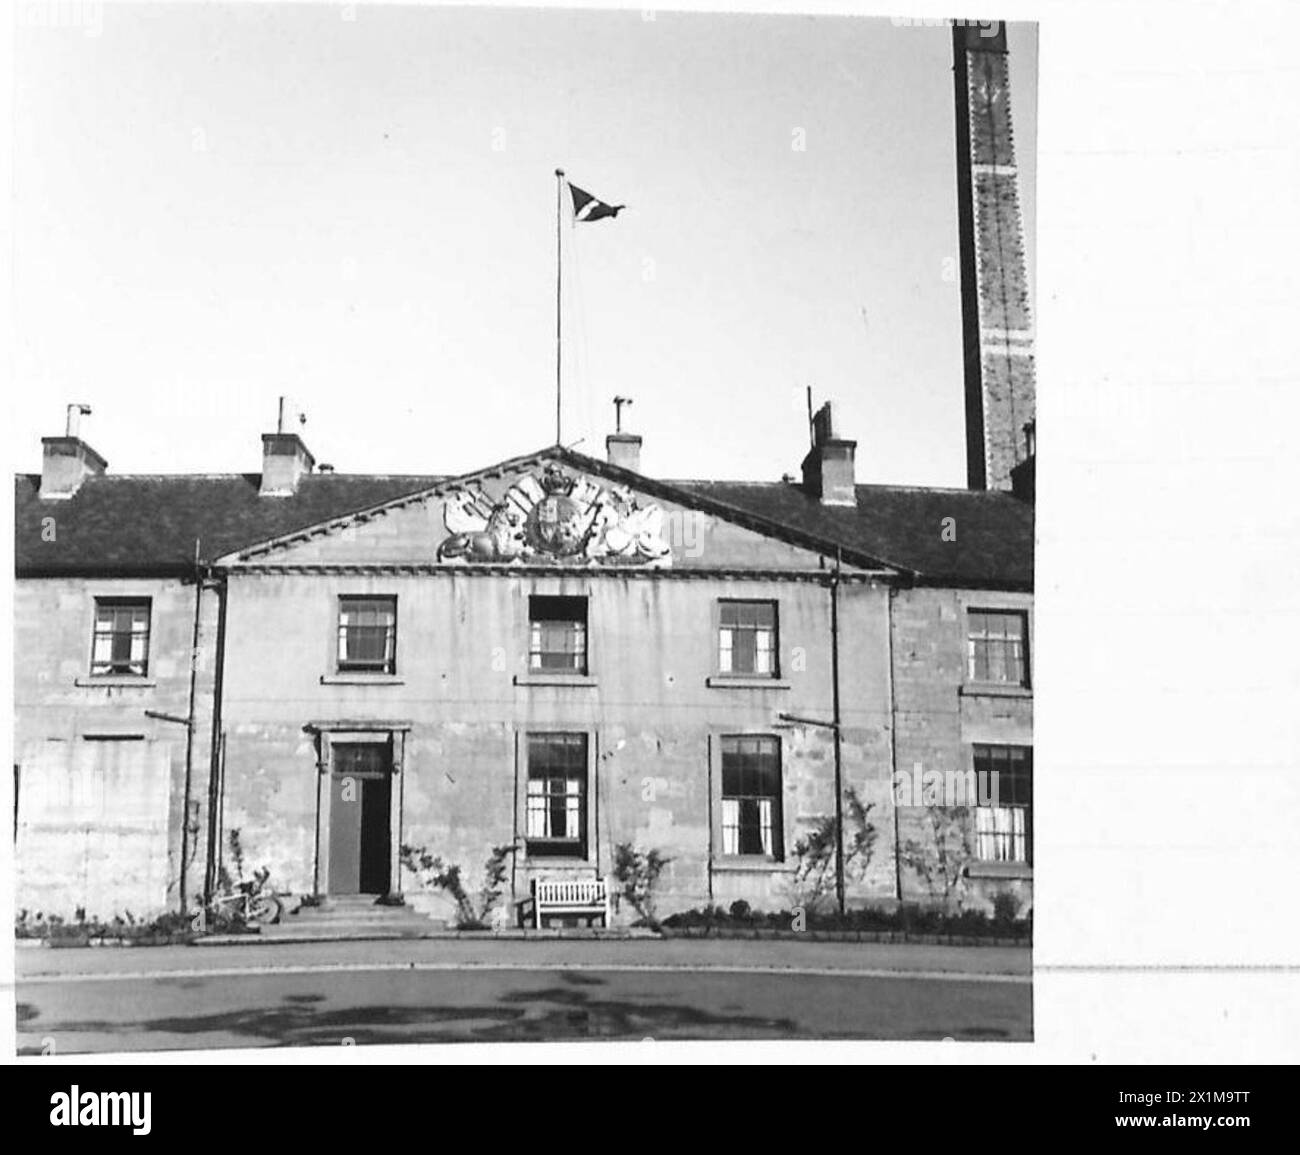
x=742 y=652
x=751 y=795
x=120 y=640
x=368 y=633
x=558 y=634
x=997 y=663
x=747 y=638
x=996 y=646
x=1003 y=831
x=556 y=803
x=730 y=826
x=751 y=840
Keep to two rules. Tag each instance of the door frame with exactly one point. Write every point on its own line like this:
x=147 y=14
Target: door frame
x=327 y=733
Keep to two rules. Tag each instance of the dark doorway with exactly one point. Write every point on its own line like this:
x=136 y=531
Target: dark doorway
x=361 y=790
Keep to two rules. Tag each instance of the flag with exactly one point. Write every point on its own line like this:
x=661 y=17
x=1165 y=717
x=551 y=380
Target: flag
x=587 y=208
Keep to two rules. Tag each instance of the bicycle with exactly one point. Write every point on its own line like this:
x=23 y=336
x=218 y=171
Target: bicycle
x=250 y=902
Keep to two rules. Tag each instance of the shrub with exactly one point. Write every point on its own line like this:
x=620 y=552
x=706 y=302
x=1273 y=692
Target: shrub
x=638 y=875
x=940 y=858
x=1005 y=906
x=85 y=927
x=436 y=873
x=909 y=918
x=814 y=852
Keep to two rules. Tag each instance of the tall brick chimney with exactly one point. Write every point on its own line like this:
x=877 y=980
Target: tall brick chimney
x=997 y=334
x=67 y=461
x=828 y=471
x=285 y=458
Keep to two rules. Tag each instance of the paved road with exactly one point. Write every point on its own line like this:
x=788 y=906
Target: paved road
x=78 y=1001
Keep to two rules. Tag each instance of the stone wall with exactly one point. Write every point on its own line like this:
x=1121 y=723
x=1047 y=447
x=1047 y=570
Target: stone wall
x=101 y=783
x=462 y=701
x=942 y=714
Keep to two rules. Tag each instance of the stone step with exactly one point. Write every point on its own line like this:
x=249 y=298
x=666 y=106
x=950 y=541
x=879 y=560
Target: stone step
x=325 y=933
x=316 y=914
x=317 y=923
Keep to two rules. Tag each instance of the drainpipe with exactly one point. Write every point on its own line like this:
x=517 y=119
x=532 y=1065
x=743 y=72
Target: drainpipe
x=215 y=787
x=708 y=862
x=836 y=724
x=189 y=733
x=893 y=749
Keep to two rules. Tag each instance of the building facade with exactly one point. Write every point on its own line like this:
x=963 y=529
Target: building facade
x=556 y=653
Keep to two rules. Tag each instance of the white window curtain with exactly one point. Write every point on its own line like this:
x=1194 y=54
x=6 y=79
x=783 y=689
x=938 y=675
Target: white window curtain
x=536 y=808
x=572 y=815
x=1000 y=833
x=765 y=823
x=730 y=826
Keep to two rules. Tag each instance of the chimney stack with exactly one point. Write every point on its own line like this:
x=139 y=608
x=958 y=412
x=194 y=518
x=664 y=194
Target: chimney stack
x=828 y=471
x=285 y=459
x=623 y=449
x=67 y=461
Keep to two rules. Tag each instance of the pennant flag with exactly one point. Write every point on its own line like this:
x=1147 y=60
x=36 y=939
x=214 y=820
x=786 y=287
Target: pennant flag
x=587 y=208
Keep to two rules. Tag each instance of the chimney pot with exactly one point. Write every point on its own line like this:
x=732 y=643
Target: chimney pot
x=828 y=470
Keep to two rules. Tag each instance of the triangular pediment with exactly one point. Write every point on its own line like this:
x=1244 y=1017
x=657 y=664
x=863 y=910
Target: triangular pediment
x=553 y=509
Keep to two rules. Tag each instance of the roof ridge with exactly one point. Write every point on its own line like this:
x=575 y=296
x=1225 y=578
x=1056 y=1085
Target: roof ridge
x=795 y=485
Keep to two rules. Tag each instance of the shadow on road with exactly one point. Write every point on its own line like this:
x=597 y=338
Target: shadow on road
x=568 y=1012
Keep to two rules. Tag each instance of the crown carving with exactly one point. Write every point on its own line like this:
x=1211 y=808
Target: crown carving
x=556 y=482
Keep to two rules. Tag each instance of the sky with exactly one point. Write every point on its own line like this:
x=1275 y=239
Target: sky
x=215 y=205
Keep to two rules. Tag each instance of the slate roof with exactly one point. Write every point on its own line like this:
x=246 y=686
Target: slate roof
x=148 y=524
x=902 y=526
x=136 y=524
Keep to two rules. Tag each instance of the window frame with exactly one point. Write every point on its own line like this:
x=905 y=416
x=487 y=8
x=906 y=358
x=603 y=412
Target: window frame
x=1022 y=781
x=774 y=673
x=356 y=667
x=537 y=636
x=542 y=848
x=971 y=677
x=777 y=853
x=119 y=602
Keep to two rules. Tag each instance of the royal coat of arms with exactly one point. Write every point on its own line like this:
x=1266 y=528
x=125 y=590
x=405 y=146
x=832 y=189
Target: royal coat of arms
x=556 y=525
x=554 y=516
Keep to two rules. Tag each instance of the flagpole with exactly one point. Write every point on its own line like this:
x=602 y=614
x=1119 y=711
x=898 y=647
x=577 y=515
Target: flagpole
x=559 y=212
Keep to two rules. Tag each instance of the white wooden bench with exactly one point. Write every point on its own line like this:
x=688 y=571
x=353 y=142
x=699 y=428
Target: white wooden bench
x=576 y=896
